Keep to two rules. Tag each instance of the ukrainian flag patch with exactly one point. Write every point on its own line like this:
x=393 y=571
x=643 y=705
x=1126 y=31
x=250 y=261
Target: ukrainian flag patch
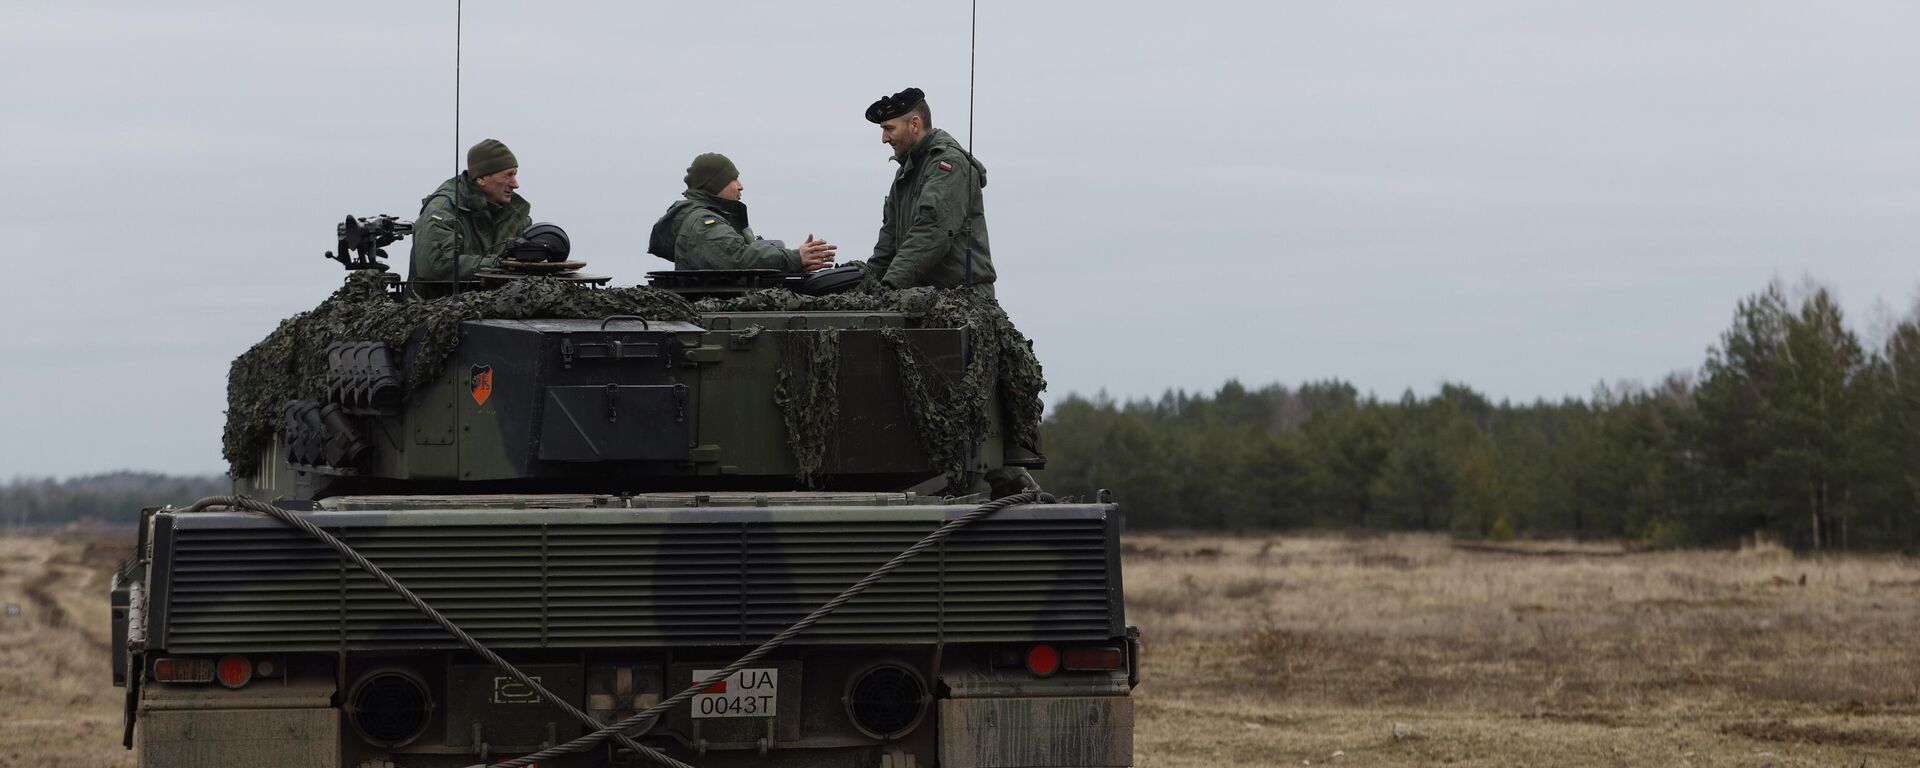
x=708 y=220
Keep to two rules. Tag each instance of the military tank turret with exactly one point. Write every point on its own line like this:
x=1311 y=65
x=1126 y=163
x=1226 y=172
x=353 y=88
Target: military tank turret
x=619 y=491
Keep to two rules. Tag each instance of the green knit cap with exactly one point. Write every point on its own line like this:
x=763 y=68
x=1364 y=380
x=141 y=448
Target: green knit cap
x=711 y=173
x=489 y=157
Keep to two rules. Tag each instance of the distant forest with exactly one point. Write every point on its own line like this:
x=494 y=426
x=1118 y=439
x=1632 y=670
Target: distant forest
x=115 y=497
x=1791 y=428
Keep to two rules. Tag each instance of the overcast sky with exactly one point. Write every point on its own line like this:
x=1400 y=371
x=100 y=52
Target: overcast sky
x=1526 y=197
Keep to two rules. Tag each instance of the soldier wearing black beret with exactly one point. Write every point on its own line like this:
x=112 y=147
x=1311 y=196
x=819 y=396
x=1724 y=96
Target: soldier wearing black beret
x=933 y=227
x=933 y=231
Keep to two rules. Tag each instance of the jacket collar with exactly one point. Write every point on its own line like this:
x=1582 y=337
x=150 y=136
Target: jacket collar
x=920 y=150
x=468 y=197
x=734 y=210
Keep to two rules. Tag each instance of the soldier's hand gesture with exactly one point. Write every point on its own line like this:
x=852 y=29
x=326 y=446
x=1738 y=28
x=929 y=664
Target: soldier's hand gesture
x=816 y=254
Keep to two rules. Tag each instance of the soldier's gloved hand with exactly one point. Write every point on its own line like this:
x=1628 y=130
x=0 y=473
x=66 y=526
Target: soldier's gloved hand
x=816 y=254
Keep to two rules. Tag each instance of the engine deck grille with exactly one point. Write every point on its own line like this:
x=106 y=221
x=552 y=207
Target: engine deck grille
x=633 y=579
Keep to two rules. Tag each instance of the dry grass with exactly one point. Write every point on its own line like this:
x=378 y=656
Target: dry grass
x=1289 y=650
x=58 y=706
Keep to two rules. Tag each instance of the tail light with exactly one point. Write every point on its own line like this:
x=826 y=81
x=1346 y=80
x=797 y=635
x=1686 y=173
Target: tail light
x=1093 y=660
x=1043 y=660
x=171 y=670
x=234 y=671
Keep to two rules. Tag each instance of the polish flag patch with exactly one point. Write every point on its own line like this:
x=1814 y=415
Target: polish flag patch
x=946 y=166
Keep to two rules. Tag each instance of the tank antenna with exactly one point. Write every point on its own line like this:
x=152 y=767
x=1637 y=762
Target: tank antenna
x=458 y=7
x=973 y=48
x=456 y=84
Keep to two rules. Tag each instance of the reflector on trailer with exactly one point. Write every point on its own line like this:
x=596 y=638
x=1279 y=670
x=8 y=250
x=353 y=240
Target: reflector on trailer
x=1092 y=659
x=171 y=670
x=1043 y=660
x=235 y=671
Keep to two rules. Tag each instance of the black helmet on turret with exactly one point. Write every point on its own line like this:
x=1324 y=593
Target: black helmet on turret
x=540 y=242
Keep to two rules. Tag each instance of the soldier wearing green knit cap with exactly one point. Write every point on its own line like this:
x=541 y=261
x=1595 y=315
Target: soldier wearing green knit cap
x=707 y=228
x=466 y=223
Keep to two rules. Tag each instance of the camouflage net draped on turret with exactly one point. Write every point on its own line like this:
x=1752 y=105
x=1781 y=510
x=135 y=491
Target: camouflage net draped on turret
x=949 y=415
x=809 y=396
x=291 y=363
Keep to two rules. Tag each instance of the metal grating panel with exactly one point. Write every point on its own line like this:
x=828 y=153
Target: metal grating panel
x=627 y=582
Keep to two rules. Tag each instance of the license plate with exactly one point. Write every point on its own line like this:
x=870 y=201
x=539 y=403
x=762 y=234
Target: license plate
x=747 y=693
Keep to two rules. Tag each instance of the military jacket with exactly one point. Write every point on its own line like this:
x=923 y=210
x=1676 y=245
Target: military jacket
x=706 y=231
x=934 y=220
x=458 y=226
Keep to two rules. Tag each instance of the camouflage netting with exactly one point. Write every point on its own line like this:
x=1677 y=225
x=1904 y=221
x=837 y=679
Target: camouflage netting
x=949 y=415
x=809 y=396
x=291 y=363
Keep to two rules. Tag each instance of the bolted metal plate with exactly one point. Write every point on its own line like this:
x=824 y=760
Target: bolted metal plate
x=508 y=713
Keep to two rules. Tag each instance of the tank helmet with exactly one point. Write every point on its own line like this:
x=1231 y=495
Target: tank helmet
x=540 y=242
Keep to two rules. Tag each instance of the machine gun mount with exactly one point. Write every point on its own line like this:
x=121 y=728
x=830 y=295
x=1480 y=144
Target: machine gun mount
x=362 y=241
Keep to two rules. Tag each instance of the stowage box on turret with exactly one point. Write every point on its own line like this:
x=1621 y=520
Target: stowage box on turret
x=620 y=491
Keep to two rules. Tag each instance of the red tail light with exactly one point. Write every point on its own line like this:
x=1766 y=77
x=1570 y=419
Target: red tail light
x=183 y=670
x=1043 y=660
x=235 y=671
x=1092 y=659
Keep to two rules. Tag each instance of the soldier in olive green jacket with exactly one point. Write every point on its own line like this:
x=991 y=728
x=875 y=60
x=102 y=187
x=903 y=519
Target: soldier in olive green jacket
x=708 y=228
x=466 y=223
x=933 y=227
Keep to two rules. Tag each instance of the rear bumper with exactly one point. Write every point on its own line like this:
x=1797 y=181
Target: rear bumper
x=224 y=738
x=1036 y=731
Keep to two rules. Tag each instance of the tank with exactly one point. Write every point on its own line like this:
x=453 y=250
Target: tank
x=620 y=491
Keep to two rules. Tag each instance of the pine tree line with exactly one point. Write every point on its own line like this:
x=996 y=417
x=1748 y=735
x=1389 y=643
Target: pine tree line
x=1792 y=428
x=114 y=497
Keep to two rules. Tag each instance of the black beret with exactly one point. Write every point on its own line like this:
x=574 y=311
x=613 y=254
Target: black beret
x=890 y=107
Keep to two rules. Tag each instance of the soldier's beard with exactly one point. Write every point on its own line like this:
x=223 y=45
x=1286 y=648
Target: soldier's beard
x=905 y=145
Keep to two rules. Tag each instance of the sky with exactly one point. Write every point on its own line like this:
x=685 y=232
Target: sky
x=1527 y=197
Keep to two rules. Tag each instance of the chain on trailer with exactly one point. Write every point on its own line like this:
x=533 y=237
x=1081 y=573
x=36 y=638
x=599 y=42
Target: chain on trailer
x=643 y=720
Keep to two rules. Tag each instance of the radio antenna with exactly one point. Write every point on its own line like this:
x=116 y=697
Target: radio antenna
x=973 y=45
x=973 y=48
x=458 y=8
x=456 y=85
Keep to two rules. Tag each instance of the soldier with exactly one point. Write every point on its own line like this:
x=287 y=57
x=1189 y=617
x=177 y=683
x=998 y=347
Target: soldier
x=708 y=229
x=466 y=223
x=933 y=227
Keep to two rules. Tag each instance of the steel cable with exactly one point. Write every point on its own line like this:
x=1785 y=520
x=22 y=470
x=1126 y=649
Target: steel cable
x=307 y=527
x=647 y=716
x=651 y=713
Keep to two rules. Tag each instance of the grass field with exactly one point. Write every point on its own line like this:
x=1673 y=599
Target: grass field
x=1403 y=650
x=58 y=706
x=1326 y=649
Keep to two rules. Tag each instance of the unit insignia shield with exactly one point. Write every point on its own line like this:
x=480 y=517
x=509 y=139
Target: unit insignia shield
x=480 y=383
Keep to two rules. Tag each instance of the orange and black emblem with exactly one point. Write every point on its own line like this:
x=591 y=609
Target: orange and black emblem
x=480 y=383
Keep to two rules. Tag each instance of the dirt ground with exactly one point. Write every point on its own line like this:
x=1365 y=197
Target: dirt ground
x=58 y=706
x=1324 y=649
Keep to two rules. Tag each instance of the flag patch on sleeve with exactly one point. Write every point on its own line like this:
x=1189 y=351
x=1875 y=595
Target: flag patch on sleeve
x=946 y=166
